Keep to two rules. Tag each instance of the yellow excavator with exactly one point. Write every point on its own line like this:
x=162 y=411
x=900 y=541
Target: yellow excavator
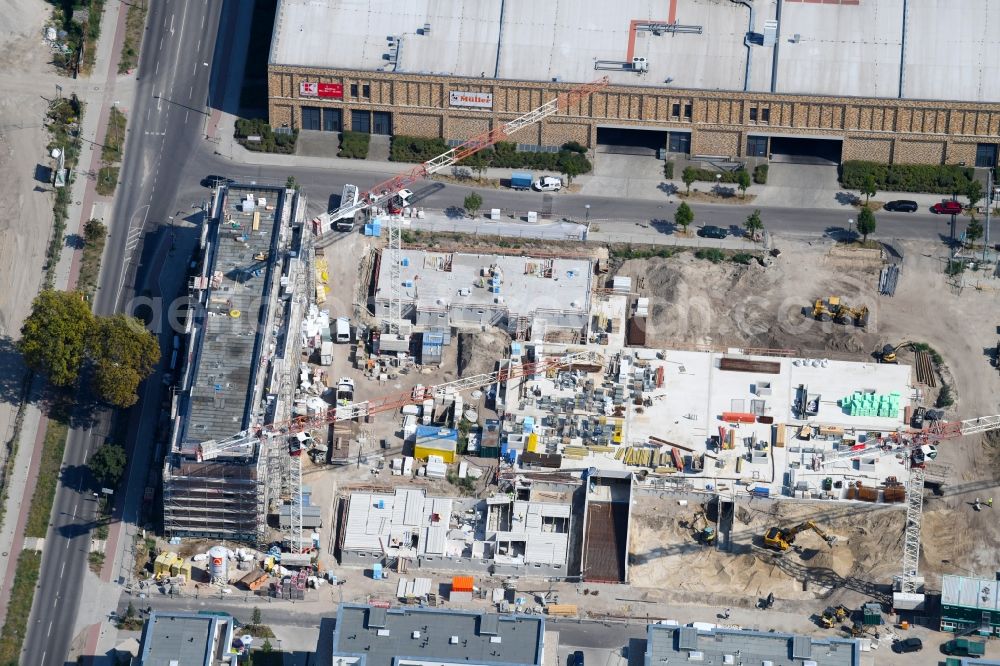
x=703 y=532
x=832 y=615
x=781 y=540
x=888 y=353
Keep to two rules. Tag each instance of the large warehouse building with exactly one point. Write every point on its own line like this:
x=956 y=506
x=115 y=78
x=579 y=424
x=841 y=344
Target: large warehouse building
x=887 y=80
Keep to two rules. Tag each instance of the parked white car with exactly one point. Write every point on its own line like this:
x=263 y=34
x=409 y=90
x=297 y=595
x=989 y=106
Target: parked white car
x=548 y=184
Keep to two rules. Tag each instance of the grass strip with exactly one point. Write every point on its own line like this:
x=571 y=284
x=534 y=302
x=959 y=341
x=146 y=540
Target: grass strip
x=22 y=594
x=94 y=237
x=48 y=478
x=135 y=21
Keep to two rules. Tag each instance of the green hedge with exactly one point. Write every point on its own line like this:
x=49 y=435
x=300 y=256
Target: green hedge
x=503 y=155
x=668 y=170
x=354 y=145
x=760 y=174
x=269 y=141
x=415 y=149
x=22 y=594
x=708 y=175
x=932 y=178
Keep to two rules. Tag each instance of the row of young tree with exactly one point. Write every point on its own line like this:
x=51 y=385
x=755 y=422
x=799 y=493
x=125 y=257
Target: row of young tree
x=106 y=356
x=684 y=217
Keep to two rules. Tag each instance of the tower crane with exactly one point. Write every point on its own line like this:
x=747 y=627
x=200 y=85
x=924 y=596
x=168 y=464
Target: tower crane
x=379 y=195
x=245 y=443
x=905 y=589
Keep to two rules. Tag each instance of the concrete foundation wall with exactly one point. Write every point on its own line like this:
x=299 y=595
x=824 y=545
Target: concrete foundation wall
x=362 y=559
x=718 y=120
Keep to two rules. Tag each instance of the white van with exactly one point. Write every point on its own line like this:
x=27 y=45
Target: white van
x=343 y=330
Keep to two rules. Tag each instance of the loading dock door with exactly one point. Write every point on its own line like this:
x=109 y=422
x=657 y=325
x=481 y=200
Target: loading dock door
x=310 y=117
x=629 y=141
x=795 y=150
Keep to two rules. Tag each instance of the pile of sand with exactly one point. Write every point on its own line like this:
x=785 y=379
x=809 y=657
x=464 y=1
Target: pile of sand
x=727 y=304
x=663 y=553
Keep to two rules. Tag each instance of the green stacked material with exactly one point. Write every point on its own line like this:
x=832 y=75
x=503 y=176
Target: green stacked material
x=872 y=404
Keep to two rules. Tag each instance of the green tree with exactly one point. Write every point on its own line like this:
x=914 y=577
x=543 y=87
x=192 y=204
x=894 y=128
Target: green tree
x=974 y=190
x=107 y=464
x=54 y=336
x=291 y=183
x=753 y=224
x=974 y=231
x=124 y=353
x=255 y=618
x=478 y=162
x=266 y=645
x=684 y=216
x=743 y=181
x=94 y=232
x=868 y=187
x=689 y=175
x=473 y=202
x=866 y=223
x=130 y=611
x=572 y=164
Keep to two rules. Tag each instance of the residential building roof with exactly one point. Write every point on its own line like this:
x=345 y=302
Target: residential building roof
x=185 y=639
x=395 y=636
x=724 y=647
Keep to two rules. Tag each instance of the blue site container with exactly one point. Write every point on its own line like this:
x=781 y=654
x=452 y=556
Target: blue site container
x=520 y=180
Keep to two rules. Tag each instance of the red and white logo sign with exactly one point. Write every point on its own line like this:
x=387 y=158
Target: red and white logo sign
x=479 y=100
x=329 y=90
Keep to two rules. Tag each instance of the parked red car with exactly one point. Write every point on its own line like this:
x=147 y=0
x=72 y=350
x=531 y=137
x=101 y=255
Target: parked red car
x=948 y=206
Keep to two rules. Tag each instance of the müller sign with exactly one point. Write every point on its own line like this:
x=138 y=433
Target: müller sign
x=481 y=100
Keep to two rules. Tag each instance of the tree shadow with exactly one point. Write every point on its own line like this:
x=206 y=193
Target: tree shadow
x=74 y=241
x=841 y=235
x=13 y=372
x=670 y=189
x=847 y=198
x=664 y=226
x=454 y=213
x=724 y=192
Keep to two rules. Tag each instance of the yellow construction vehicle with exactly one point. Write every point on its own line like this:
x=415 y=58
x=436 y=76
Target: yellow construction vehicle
x=888 y=353
x=833 y=309
x=848 y=315
x=781 y=540
x=703 y=532
x=825 y=309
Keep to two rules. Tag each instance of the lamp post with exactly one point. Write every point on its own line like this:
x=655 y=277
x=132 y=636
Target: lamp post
x=718 y=181
x=586 y=208
x=850 y=223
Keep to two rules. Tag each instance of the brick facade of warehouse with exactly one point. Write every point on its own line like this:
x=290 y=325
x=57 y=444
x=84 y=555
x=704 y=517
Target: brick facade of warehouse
x=719 y=122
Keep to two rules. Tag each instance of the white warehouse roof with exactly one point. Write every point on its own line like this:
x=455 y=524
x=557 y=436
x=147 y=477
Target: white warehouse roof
x=938 y=50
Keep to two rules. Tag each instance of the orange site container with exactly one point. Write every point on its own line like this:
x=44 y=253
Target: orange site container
x=461 y=584
x=738 y=417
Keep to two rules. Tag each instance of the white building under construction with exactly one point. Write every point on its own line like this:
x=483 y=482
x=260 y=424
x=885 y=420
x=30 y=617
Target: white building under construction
x=530 y=297
x=237 y=364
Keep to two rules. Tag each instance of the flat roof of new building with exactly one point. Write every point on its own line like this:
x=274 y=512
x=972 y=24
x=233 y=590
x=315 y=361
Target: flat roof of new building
x=179 y=638
x=965 y=592
x=728 y=646
x=837 y=47
x=230 y=335
x=527 y=285
x=383 y=637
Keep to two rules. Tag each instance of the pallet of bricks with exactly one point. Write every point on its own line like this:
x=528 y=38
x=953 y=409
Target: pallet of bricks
x=292 y=587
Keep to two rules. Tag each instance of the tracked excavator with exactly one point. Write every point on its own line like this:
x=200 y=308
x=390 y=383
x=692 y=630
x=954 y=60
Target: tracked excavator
x=888 y=353
x=833 y=309
x=781 y=540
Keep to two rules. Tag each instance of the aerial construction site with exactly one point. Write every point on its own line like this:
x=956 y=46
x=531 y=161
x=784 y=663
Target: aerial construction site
x=774 y=427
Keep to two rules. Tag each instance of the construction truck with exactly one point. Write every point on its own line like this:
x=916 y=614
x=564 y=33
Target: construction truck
x=888 y=352
x=834 y=614
x=833 y=309
x=345 y=391
x=703 y=532
x=781 y=540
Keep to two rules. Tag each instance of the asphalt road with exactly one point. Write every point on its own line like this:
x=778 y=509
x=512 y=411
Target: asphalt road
x=166 y=119
x=323 y=186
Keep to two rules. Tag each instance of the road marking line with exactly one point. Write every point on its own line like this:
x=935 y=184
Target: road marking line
x=62 y=570
x=49 y=632
x=171 y=24
x=191 y=92
x=199 y=41
x=157 y=70
x=186 y=114
x=67 y=544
